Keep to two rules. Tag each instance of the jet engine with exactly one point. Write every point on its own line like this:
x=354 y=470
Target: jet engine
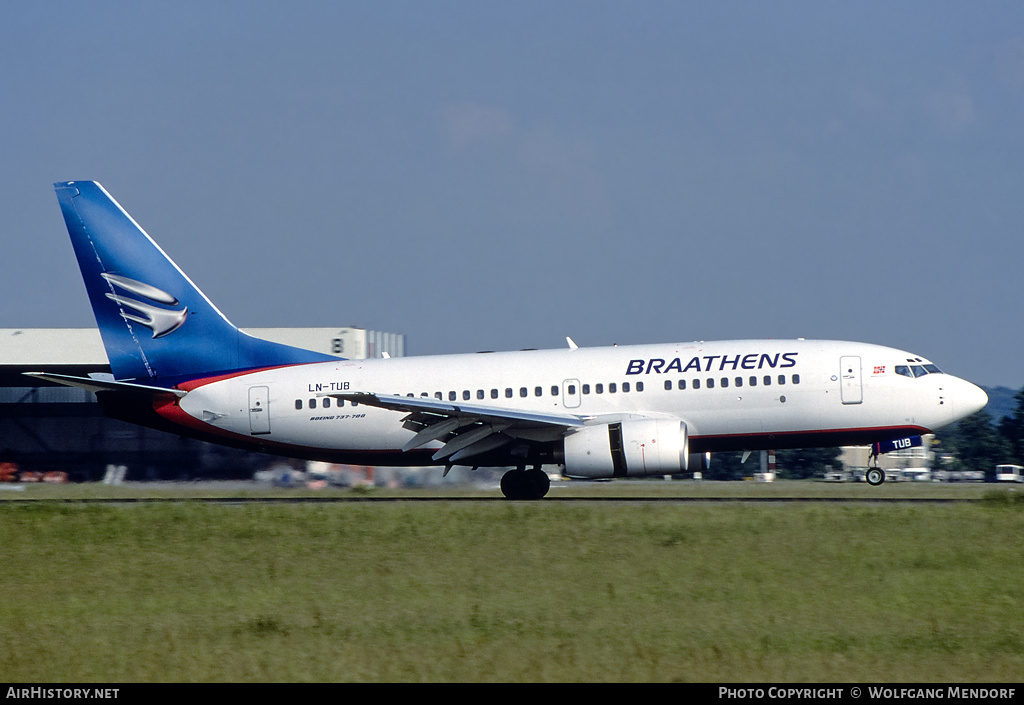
x=629 y=448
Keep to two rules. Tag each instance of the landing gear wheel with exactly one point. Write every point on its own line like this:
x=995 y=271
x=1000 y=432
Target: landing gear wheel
x=875 y=476
x=537 y=482
x=513 y=483
x=525 y=484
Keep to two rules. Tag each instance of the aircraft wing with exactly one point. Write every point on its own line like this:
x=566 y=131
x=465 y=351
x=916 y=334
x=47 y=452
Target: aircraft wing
x=465 y=429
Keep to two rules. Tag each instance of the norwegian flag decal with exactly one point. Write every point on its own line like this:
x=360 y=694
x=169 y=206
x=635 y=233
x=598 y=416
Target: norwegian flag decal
x=879 y=369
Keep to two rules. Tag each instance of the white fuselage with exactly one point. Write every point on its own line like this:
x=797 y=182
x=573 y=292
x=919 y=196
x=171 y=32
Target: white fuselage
x=734 y=395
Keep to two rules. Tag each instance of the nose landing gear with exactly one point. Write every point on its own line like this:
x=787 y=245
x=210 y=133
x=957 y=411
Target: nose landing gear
x=875 y=476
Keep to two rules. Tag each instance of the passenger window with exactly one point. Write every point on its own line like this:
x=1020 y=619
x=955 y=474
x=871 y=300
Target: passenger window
x=479 y=394
x=739 y=381
x=796 y=379
x=439 y=395
x=586 y=389
x=327 y=402
x=572 y=389
x=682 y=384
x=711 y=383
x=599 y=388
x=725 y=382
x=508 y=392
x=465 y=395
x=639 y=386
x=625 y=386
x=753 y=381
x=782 y=379
x=767 y=380
x=554 y=390
x=452 y=396
x=522 y=391
x=298 y=404
x=312 y=403
x=696 y=384
x=612 y=388
x=494 y=394
x=538 y=391
x=668 y=385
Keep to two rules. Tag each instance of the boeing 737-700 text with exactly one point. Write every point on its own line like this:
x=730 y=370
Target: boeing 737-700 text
x=626 y=411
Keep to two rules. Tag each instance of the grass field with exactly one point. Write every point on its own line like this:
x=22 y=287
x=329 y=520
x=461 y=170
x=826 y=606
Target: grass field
x=501 y=591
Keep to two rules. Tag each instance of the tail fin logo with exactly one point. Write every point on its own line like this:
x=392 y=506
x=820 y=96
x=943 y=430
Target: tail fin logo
x=161 y=321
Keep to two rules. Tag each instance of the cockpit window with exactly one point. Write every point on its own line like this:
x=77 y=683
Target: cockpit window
x=917 y=370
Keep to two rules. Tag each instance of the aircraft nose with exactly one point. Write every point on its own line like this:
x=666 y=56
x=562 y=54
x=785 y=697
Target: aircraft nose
x=972 y=398
x=967 y=399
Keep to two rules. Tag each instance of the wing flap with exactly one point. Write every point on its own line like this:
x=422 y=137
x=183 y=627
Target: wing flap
x=436 y=431
x=467 y=439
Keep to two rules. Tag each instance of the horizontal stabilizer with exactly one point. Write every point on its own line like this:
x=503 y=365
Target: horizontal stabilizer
x=99 y=385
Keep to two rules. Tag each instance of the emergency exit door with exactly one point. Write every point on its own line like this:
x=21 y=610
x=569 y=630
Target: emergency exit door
x=851 y=389
x=259 y=410
x=571 y=393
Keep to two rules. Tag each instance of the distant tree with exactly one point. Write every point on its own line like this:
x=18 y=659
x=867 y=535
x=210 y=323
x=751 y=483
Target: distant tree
x=1011 y=428
x=976 y=443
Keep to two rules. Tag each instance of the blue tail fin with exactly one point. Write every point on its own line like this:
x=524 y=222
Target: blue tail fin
x=156 y=325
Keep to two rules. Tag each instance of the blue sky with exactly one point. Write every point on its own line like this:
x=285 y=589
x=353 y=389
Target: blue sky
x=490 y=176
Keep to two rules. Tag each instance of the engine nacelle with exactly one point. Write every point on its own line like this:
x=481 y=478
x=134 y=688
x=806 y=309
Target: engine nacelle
x=630 y=448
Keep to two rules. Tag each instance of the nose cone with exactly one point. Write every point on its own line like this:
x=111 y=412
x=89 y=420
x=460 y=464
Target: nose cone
x=970 y=398
x=963 y=399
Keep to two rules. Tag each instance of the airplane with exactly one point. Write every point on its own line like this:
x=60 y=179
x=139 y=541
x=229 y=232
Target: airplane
x=625 y=411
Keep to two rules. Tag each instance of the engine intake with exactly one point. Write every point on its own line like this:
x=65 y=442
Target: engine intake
x=631 y=448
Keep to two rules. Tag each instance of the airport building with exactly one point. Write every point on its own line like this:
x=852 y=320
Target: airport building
x=46 y=428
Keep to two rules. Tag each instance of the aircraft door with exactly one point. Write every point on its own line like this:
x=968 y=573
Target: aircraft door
x=851 y=389
x=571 y=393
x=259 y=410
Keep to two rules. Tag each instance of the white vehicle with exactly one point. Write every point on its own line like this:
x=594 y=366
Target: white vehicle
x=625 y=411
x=1009 y=473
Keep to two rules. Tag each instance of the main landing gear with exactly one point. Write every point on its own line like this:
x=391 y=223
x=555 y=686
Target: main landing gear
x=525 y=484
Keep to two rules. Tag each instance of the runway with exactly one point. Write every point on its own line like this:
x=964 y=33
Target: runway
x=439 y=499
x=621 y=491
